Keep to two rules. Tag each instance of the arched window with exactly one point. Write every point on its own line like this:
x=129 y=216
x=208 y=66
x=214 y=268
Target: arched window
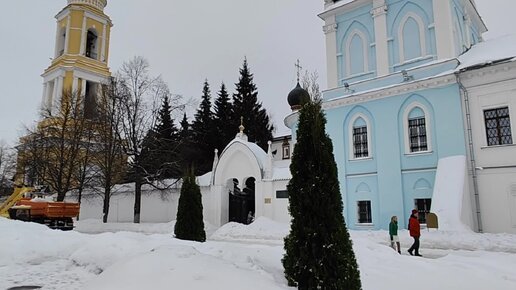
x=411 y=37
x=91 y=44
x=356 y=52
x=360 y=137
x=417 y=129
x=61 y=40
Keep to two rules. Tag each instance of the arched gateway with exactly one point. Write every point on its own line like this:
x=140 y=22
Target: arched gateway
x=244 y=184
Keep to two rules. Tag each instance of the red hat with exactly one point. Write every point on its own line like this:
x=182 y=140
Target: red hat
x=414 y=211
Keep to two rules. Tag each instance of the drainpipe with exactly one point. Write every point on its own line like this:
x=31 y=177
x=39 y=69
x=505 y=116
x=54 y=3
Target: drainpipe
x=472 y=160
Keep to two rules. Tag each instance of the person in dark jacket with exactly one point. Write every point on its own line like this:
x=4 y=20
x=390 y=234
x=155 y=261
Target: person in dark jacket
x=393 y=233
x=415 y=232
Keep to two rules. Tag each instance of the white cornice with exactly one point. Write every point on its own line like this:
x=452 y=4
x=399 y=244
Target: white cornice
x=342 y=8
x=489 y=74
x=380 y=93
x=330 y=28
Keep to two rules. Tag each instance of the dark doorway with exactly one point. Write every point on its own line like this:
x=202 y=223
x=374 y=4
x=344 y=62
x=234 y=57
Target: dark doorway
x=241 y=202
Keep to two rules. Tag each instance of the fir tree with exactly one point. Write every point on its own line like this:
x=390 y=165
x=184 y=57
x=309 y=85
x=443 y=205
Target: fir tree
x=189 y=221
x=160 y=146
x=204 y=133
x=185 y=148
x=245 y=104
x=222 y=120
x=319 y=252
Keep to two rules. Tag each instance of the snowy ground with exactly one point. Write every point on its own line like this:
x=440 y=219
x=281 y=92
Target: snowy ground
x=127 y=256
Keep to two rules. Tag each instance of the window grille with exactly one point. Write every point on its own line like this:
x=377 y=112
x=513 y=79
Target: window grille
x=417 y=135
x=360 y=147
x=498 y=126
x=364 y=212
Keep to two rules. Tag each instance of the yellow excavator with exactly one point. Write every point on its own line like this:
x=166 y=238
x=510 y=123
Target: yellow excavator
x=18 y=194
x=21 y=206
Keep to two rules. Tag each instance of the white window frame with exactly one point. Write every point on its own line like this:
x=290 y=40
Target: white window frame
x=351 y=144
x=428 y=123
x=347 y=51
x=422 y=36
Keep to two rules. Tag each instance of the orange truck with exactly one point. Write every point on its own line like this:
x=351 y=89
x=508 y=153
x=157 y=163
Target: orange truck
x=56 y=215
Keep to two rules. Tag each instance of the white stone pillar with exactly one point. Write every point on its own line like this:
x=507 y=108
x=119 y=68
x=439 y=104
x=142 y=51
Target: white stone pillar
x=103 y=48
x=330 y=29
x=444 y=29
x=468 y=31
x=75 y=85
x=58 y=32
x=54 y=100
x=379 y=14
x=67 y=37
x=83 y=37
x=83 y=92
x=44 y=96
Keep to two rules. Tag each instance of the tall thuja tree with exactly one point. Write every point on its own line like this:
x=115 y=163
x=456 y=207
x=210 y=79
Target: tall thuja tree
x=245 y=104
x=319 y=251
x=222 y=108
x=203 y=133
x=189 y=221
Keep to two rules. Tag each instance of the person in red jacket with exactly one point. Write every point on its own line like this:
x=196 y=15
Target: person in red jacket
x=415 y=232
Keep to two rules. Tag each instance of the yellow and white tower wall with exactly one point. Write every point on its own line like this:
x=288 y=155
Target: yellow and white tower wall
x=80 y=62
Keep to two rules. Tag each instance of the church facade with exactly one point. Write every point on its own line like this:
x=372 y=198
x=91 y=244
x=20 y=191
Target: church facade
x=421 y=113
x=407 y=133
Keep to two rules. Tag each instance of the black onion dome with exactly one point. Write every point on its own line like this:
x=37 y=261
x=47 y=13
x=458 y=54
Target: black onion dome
x=297 y=97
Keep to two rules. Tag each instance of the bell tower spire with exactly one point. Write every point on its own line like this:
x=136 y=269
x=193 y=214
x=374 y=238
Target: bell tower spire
x=80 y=63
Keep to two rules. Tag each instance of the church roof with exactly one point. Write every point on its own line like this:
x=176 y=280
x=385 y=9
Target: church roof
x=257 y=151
x=489 y=52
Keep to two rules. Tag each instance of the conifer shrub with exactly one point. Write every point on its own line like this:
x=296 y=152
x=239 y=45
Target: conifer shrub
x=319 y=251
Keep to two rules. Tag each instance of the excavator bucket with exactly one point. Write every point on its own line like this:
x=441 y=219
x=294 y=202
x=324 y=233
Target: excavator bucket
x=13 y=199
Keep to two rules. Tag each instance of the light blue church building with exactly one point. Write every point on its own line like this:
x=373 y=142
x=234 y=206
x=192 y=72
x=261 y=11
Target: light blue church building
x=393 y=102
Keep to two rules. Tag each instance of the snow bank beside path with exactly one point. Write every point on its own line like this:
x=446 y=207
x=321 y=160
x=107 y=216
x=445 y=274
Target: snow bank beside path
x=245 y=257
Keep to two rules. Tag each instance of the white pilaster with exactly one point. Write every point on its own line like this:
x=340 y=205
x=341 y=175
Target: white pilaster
x=379 y=14
x=83 y=37
x=75 y=85
x=58 y=32
x=60 y=83
x=67 y=36
x=443 y=23
x=54 y=100
x=83 y=89
x=103 y=48
x=468 y=31
x=330 y=29
x=44 y=97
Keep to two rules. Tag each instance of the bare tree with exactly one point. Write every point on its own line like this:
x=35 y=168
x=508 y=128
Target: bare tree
x=109 y=158
x=310 y=82
x=138 y=99
x=135 y=101
x=7 y=167
x=52 y=150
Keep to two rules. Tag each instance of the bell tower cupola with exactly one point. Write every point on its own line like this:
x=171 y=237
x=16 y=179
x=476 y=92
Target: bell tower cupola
x=80 y=60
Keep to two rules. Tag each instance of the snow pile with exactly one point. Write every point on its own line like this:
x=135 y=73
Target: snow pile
x=450 y=197
x=262 y=229
x=31 y=254
x=93 y=226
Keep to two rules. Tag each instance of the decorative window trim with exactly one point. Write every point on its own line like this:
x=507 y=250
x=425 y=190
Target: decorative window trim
x=347 y=51
x=351 y=144
x=428 y=122
x=422 y=35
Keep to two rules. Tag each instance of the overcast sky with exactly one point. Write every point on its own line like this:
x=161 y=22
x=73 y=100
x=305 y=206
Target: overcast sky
x=186 y=42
